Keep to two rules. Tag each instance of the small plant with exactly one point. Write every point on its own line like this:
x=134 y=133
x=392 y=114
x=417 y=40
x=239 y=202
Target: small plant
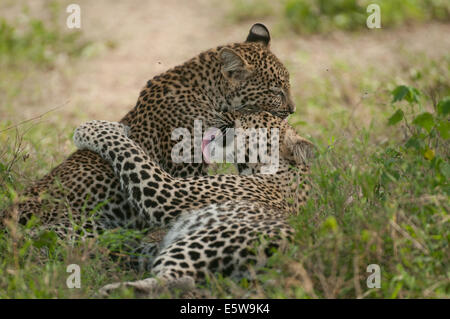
x=426 y=134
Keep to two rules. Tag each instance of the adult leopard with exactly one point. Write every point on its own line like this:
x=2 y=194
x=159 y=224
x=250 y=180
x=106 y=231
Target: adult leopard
x=240 y=76
x=221 y=223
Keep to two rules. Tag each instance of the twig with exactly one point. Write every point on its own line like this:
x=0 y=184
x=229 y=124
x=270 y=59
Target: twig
x=415 y=242
x=34 y=118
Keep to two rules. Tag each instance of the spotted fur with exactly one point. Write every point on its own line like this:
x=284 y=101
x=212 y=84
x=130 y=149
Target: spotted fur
x=241 y=76
x=221 y=223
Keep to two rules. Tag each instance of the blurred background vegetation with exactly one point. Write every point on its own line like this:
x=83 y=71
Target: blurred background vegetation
x=375 y=102
x=313 y=16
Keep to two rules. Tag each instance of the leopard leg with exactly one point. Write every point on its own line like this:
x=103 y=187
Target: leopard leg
x=151 y=286
x=141 y=255
x=228 y=248
x=140 y=176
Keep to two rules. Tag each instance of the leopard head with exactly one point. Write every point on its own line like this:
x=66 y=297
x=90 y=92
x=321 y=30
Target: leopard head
x=254 y=76
x=258 y=140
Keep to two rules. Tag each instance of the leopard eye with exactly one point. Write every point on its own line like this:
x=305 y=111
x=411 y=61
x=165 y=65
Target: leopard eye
x=277 y=90
x=280 y=92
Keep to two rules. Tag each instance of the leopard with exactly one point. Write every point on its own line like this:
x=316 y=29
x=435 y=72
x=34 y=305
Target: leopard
x=243 y=76
x=219 y=223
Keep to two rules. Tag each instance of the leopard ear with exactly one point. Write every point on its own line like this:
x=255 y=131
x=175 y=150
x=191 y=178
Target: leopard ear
x=234 y=66
x=259 y=33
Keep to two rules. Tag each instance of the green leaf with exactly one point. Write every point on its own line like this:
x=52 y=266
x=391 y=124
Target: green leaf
x=413 y=95
x=443 y=107
x=396 y=117
x=414 y=143
x=298 y=123
x=399 y=93
x=403 y=92
x=330 y=224
x=33 y=222
x=429 y=154
x=424 y=120
x=46 y=239
x=445 y=169
x=24 y=249
x=443 y=128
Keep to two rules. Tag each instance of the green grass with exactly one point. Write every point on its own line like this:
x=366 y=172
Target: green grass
x=380 y=185
x=37 y=43
x=36 y=267
x=375 y=200
x=382 y=203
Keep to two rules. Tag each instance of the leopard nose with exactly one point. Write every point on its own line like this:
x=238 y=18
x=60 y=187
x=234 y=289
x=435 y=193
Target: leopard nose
x=290 y=102
x=291 y=106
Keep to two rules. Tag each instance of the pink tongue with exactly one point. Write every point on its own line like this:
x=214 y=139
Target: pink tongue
x=208 y=137
x=205 y=151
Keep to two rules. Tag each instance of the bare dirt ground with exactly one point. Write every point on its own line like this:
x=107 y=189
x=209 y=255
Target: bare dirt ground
x=152 y=36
